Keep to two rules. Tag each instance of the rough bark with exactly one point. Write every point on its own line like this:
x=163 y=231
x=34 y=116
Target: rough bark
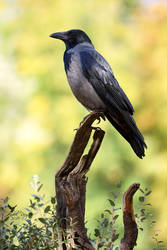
x=70 y=184
x=130 y=227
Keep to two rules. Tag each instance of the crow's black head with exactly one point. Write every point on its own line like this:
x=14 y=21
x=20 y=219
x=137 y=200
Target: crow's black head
x=72 y=37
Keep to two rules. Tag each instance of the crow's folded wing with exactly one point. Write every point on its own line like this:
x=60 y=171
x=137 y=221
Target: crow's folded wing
x=99 y=74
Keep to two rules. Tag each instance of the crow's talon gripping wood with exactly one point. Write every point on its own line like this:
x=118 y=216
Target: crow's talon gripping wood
x=99 y=118
x=95 y=128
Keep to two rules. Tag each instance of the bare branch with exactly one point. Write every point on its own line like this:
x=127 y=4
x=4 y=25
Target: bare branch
x=71 y=186
x=80 y=141
x=130 y=227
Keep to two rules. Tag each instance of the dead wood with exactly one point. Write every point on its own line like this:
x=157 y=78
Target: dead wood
x=70 y=184
x=130 y=227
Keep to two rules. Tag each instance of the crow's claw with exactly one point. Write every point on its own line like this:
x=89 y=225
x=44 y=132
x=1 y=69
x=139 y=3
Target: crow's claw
x=96 y=128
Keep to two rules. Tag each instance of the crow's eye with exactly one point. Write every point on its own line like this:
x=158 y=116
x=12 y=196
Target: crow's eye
x=70 y=34
x=71 y=40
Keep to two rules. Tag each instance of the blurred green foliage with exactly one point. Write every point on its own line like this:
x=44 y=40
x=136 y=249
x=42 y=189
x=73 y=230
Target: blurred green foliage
x=38 y=111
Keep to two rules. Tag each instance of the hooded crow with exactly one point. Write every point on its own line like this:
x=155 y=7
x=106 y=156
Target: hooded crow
x=94 y=85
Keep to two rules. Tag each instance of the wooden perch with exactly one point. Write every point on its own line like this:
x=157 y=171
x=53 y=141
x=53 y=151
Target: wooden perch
x=70 y=185
x=130 y=227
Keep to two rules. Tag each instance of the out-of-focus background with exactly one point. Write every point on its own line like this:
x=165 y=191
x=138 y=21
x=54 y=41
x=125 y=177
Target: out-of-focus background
x=38 y=111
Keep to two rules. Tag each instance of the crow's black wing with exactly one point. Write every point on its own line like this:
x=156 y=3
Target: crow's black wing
x=99 y=74
x=119 y=110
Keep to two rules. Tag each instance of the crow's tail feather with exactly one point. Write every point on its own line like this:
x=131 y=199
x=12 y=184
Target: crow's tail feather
x=128 y=129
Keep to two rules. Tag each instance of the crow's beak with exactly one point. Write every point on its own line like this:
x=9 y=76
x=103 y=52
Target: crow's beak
x=59 y=35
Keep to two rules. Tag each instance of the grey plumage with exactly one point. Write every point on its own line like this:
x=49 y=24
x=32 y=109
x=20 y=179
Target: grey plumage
x=94 y=85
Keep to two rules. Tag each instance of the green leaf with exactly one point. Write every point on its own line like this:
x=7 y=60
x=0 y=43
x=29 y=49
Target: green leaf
x=12 y=208
x=142 y=219
x=142 y=211
x=47 y=209
x=101 y=244
x=104 y=222
x=141 y=190
x=149 y=192
x=141 y=199
x=30 y=215
x=97 y=232
x=53 y=200
x=115 y=217
x=36 y=197
x=6 y=218
x=115 y=237
x=111 y=203
x=108 y=211
x=116 y=209
x=39 y=188
x=153 y=221
x=42 y=220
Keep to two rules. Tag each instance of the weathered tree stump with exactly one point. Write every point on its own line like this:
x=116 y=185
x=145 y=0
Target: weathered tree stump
x=70 y=184
x=130 y=227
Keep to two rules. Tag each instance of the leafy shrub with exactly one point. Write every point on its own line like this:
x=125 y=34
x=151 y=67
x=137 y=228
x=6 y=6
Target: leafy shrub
x=34 y=229
x=37 y=228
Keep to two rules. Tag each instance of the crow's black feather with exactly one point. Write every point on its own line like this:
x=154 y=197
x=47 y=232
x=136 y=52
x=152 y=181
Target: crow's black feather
x=98 y=73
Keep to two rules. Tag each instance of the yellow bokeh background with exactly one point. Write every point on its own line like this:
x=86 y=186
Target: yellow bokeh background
x=39 y=113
